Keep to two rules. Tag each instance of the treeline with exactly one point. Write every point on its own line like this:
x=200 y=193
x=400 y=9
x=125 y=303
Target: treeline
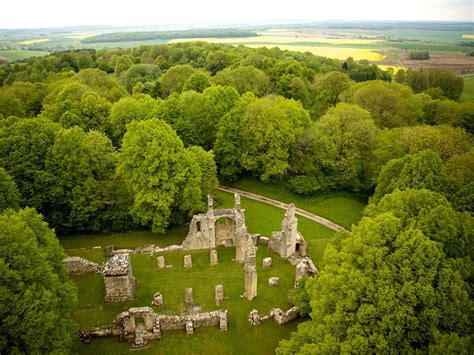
x=154 y=35
x=424 y=55
x=122 y=139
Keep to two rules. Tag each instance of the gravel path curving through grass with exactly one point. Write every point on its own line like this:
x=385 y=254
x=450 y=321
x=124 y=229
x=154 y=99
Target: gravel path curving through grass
x=311 y=216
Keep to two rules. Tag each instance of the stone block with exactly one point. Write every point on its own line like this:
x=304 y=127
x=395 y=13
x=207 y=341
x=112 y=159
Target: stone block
x=188 y=261
x=160 y=262
x=188 y=296
x=274 y=281
x=219 y=294
x=158 y=299
x=213 y=257
x=267 y=263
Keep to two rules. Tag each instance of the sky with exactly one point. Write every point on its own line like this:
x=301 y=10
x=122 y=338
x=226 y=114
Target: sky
x=57 y=13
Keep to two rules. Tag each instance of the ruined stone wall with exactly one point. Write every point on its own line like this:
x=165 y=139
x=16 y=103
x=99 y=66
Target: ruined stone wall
x=118 y=279
x=76 y=265
x=225 y=232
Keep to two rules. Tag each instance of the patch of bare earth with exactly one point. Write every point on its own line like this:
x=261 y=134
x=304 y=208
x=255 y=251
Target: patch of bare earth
x=459 y=64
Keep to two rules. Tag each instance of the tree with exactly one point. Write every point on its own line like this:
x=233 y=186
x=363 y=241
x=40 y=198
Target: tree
x=36 y=295
x=424 y=170
x=23 y=147
x=390 y=104
x=133 y=108
x=198 y=82
x=81 y=165
x=163 y=177
x=9 y=195
x=388 y=287
x=139 y=73
x=343 y=141
x=328 y=88
x=174 y=79
x=244 y=79
x=208 y=167
x=257 y=136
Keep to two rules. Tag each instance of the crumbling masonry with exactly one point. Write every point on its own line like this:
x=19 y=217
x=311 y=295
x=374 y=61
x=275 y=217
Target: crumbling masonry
x=118 y=279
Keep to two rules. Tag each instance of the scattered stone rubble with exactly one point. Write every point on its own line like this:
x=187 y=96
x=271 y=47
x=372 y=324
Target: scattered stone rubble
x=267 y=263
x=118 y=279
x=157 y=300
x=277 y=314
x=273 y=281
x=305 y=268
x=139 y=333
x=76 y=265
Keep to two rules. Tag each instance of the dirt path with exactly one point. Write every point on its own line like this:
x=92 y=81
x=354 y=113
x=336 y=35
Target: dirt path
x=311 y=216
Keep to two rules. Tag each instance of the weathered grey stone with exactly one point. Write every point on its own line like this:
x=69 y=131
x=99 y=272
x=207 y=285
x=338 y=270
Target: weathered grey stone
x=189 y=327
x=188 y=261
x=76 y=265
x=267 y=263
x=219 y=294
x=188 y=296
x=263 y=240
x=250 y=269
x=118 y=279
x=254 y=317
x=158 y=299
x=288 y=242
x=160 y=262
x=109 y=251
x=273 y=281
x=304 y=268
x=285 y=317
x=213 y=257
x=207 y=231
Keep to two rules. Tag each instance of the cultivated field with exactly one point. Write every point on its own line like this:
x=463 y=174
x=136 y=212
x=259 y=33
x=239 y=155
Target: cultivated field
x=34 y=41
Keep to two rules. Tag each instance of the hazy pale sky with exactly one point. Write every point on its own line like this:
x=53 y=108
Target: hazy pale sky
x=57 y=13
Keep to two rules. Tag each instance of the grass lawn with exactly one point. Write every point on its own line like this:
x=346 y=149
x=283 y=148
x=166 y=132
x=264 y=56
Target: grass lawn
x=341 y=208
x=241 y=337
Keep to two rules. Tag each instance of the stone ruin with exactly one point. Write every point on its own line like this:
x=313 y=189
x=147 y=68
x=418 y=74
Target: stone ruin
x=140 y=324
x=157 y=300
x=218 y=227
x=267 y=263
x=219 y=294
x=214 y=260
x=250 y=269
x=118 y=279
x=277 y=314
x=288 y=242
x=305 y=268
x=188 y=262
x=76 y=265
x=160 y=262
x=188 y=296
x=273 y=281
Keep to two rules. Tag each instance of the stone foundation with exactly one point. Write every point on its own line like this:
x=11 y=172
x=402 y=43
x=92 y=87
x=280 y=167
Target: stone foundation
x=277 y=314
x=125 y=325
x=76 y=265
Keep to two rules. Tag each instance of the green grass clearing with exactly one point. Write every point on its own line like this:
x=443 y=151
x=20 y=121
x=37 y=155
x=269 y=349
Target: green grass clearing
x=341 y=208
x=468 y=93
x=21 y=54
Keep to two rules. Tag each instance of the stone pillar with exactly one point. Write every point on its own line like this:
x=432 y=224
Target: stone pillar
x=289 y=228
x=160 y=262
x=219 y=292
x=189 y=327
x=188 y=261
x=304 y=268
x=250 y=270
x=210 y=206
x=237 y=201
x=213 y=256
x=188 y=296
x=241 y=235
x=223 y=321
x=157 y=299
x=267 y=263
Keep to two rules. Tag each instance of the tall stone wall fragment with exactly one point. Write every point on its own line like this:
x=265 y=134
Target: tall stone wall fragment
x=304 y=268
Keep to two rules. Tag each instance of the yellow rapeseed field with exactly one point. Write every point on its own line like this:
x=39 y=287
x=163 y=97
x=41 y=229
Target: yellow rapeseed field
x=286 y=43
x=33 y=41
x=469 y=36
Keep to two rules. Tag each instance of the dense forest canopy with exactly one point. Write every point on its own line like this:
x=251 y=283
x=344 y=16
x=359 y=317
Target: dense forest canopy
x=121 y=139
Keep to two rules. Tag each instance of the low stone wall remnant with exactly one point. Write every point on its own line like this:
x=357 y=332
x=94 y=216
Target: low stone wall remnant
x=76 y=265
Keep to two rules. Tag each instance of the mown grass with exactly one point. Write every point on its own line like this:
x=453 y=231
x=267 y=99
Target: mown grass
x=341 y=208
x=202 y=277
x=171 y=282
